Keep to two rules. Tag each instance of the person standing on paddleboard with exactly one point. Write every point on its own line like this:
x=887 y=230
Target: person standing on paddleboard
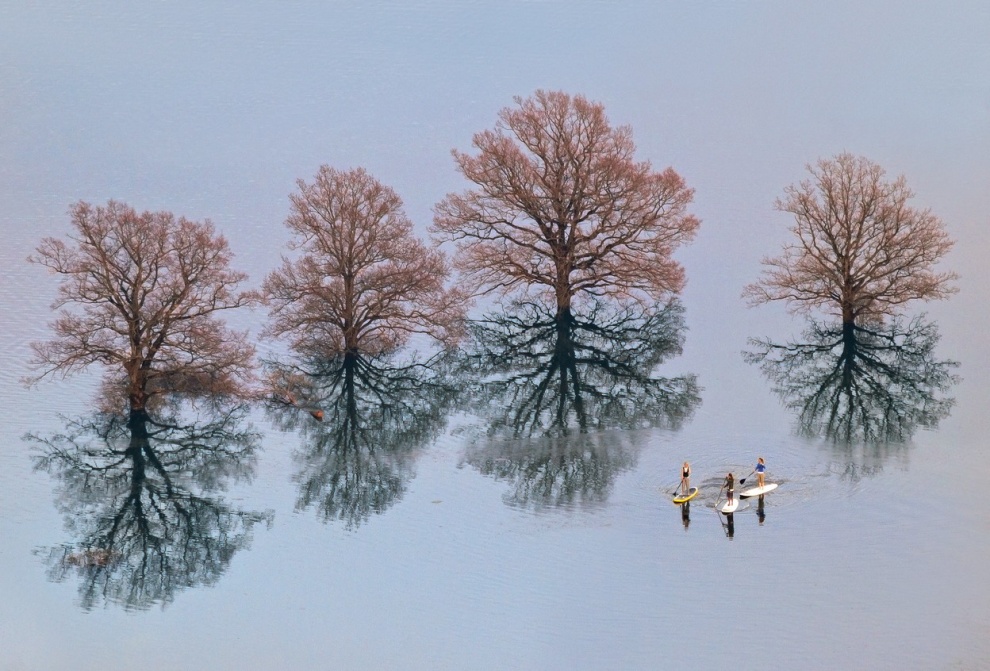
x=761 y=469
x=685 y=478
x=730 y=487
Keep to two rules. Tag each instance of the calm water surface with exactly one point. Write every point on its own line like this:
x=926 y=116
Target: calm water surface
x=865 y=557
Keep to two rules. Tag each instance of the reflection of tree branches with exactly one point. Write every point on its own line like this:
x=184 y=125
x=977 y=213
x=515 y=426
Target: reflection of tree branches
x=373 y=415
x=558 y=470
x=858 y=460
x=534 y=373
x=139 y=499
x=856 y=384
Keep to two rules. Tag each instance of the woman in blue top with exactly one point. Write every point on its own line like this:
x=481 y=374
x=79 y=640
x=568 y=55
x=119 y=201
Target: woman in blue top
x=761 y=469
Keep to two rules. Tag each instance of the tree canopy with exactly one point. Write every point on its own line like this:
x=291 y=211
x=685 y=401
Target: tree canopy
x=363 y=282
x=139 y=295
x=861 y=251
x=559 y=204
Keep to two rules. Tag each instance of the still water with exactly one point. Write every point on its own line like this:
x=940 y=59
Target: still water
x=441 y=540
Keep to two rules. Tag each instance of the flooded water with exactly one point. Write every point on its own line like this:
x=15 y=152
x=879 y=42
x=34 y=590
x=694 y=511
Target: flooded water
x=443 y=538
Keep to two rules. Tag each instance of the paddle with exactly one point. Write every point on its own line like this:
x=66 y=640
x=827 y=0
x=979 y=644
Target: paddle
x=676 y=489
x=743 y=481
x=673 y=493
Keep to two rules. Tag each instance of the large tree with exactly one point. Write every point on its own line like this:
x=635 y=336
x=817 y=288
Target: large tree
x=139 y=295
x=559 y=204
x=861 y=252
x=363 y=282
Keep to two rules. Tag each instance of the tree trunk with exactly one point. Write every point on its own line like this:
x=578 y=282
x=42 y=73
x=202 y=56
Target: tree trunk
x=848 y=314
x=562 y=282
x=849 y=346
x=137 y=422
x=563 y=303
x=350 y=310
x=137 y=395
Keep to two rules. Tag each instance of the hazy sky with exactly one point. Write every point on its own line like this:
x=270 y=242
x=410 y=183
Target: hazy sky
x=214 y=109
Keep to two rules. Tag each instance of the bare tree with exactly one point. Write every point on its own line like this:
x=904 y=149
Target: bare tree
x=561 y=205
x=146 y=289
x=861 y=251
x=364 y=283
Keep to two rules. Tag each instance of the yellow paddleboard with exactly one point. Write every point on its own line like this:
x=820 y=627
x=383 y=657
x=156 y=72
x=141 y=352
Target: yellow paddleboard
x=684 y=498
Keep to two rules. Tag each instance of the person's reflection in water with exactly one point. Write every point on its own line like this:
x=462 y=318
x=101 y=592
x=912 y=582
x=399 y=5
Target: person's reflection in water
x=686 y=514
x=730 y=525
x=760 y=514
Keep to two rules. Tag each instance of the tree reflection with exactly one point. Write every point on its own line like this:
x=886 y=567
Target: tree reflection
x=139 y=498
x=534 y=374
x=858 y=385
x=362 y=420
x=556 y=470
x=548 y=388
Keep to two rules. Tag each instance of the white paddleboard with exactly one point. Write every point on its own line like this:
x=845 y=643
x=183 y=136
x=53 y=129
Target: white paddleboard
x=758 y=491
x=730 y=507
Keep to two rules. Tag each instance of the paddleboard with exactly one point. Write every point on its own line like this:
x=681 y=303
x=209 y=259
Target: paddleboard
x=728 y=507
x=758 y=491
x=684 y=498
